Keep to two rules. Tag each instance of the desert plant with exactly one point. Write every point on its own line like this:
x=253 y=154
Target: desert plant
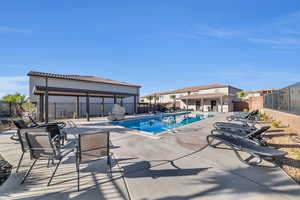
x=241 y=94
x=29 y=107
x=245 y=110
x=149 y=98
x=16 y=101
x=276 y=124
x=263 y=116
x=156 y=98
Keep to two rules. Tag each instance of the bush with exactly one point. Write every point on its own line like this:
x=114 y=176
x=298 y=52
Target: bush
x=245 y=110
x=276 y=124
x=75 y=115
x=263 y=117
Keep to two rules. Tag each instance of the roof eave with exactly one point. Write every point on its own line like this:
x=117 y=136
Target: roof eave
x=39 y=75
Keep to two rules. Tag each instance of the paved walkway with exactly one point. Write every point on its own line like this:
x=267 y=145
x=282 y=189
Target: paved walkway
x=173 y=166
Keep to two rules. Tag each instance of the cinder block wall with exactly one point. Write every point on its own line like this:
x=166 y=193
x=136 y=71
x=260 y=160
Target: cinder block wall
x=256 y=103
x=292 y=120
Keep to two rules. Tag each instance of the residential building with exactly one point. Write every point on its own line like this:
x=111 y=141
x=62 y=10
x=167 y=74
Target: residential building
x=214 y=97
x=257 y=93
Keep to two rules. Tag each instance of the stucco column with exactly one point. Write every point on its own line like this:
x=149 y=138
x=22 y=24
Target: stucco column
x=221 y=99
x=187 y=104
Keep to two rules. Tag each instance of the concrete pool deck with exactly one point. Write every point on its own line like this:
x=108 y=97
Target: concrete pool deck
x=174 y=166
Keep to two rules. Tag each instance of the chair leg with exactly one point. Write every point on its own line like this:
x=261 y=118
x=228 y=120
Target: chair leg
x=62 y=140
x=56 y=167
x=109 y=164
x=28 y=171
x=21 y=158
x=48 y=162
x=78 y=176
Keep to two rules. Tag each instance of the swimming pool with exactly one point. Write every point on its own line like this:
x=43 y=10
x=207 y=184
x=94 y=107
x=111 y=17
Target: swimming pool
x=161 y=123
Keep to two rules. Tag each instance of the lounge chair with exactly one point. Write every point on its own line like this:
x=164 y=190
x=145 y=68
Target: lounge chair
x=91 y=147
x=60 y=124
x=254 y=135
x=43 y=147
x=248 y=117
x=238 y=144
x=234 y=126
x=118 y=113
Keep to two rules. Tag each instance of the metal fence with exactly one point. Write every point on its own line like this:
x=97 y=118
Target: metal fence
x=286 y=99
x=68 y=110
x=5 y=109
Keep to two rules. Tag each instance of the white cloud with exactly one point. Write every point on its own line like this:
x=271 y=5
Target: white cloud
x=293 y=32
x=250 y=79
x=278 y=41
x=13 y=84
x=220 y=33
x=283 y=31
x=5 y=29
x=204 y=32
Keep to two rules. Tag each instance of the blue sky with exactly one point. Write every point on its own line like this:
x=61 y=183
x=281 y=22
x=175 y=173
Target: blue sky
x=159 y=44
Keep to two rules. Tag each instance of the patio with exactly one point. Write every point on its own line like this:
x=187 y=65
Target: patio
x=173 y=166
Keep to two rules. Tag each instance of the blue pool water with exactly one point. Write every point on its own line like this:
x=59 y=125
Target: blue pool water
x=160 y=124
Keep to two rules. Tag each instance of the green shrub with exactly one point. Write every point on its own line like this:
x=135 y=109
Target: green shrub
x=74 y=115
x=263 y=116
x=245 y=110
x=276 y=124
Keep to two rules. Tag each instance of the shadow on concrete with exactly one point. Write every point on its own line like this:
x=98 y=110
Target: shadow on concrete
x=144 y=169
x=235 y=182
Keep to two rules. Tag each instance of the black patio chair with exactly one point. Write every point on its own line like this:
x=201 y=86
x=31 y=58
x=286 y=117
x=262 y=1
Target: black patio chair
x=20 y=124
x=43 y=147
x=56 y=134
x=24 y=145
x=91 y=147
x=54 y=128
x=239 y=144
x=254 y=135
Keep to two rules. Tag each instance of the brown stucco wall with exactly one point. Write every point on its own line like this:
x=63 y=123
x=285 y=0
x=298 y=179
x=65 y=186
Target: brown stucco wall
x=292 y=120
x=256 y=103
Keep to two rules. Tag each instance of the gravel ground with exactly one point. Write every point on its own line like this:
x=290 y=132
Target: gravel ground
x=287 y=140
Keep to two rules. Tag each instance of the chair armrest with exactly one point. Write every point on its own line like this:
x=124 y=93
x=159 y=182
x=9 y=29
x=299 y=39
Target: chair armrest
x=56 y=137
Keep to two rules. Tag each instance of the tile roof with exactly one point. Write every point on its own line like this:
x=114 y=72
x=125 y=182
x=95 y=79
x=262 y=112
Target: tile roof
x=81 y=78
x=191 y=89
x=207 y=95
x=261 y=91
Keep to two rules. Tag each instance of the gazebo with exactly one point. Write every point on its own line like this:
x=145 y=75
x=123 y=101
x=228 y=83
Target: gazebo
x=44 y=85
